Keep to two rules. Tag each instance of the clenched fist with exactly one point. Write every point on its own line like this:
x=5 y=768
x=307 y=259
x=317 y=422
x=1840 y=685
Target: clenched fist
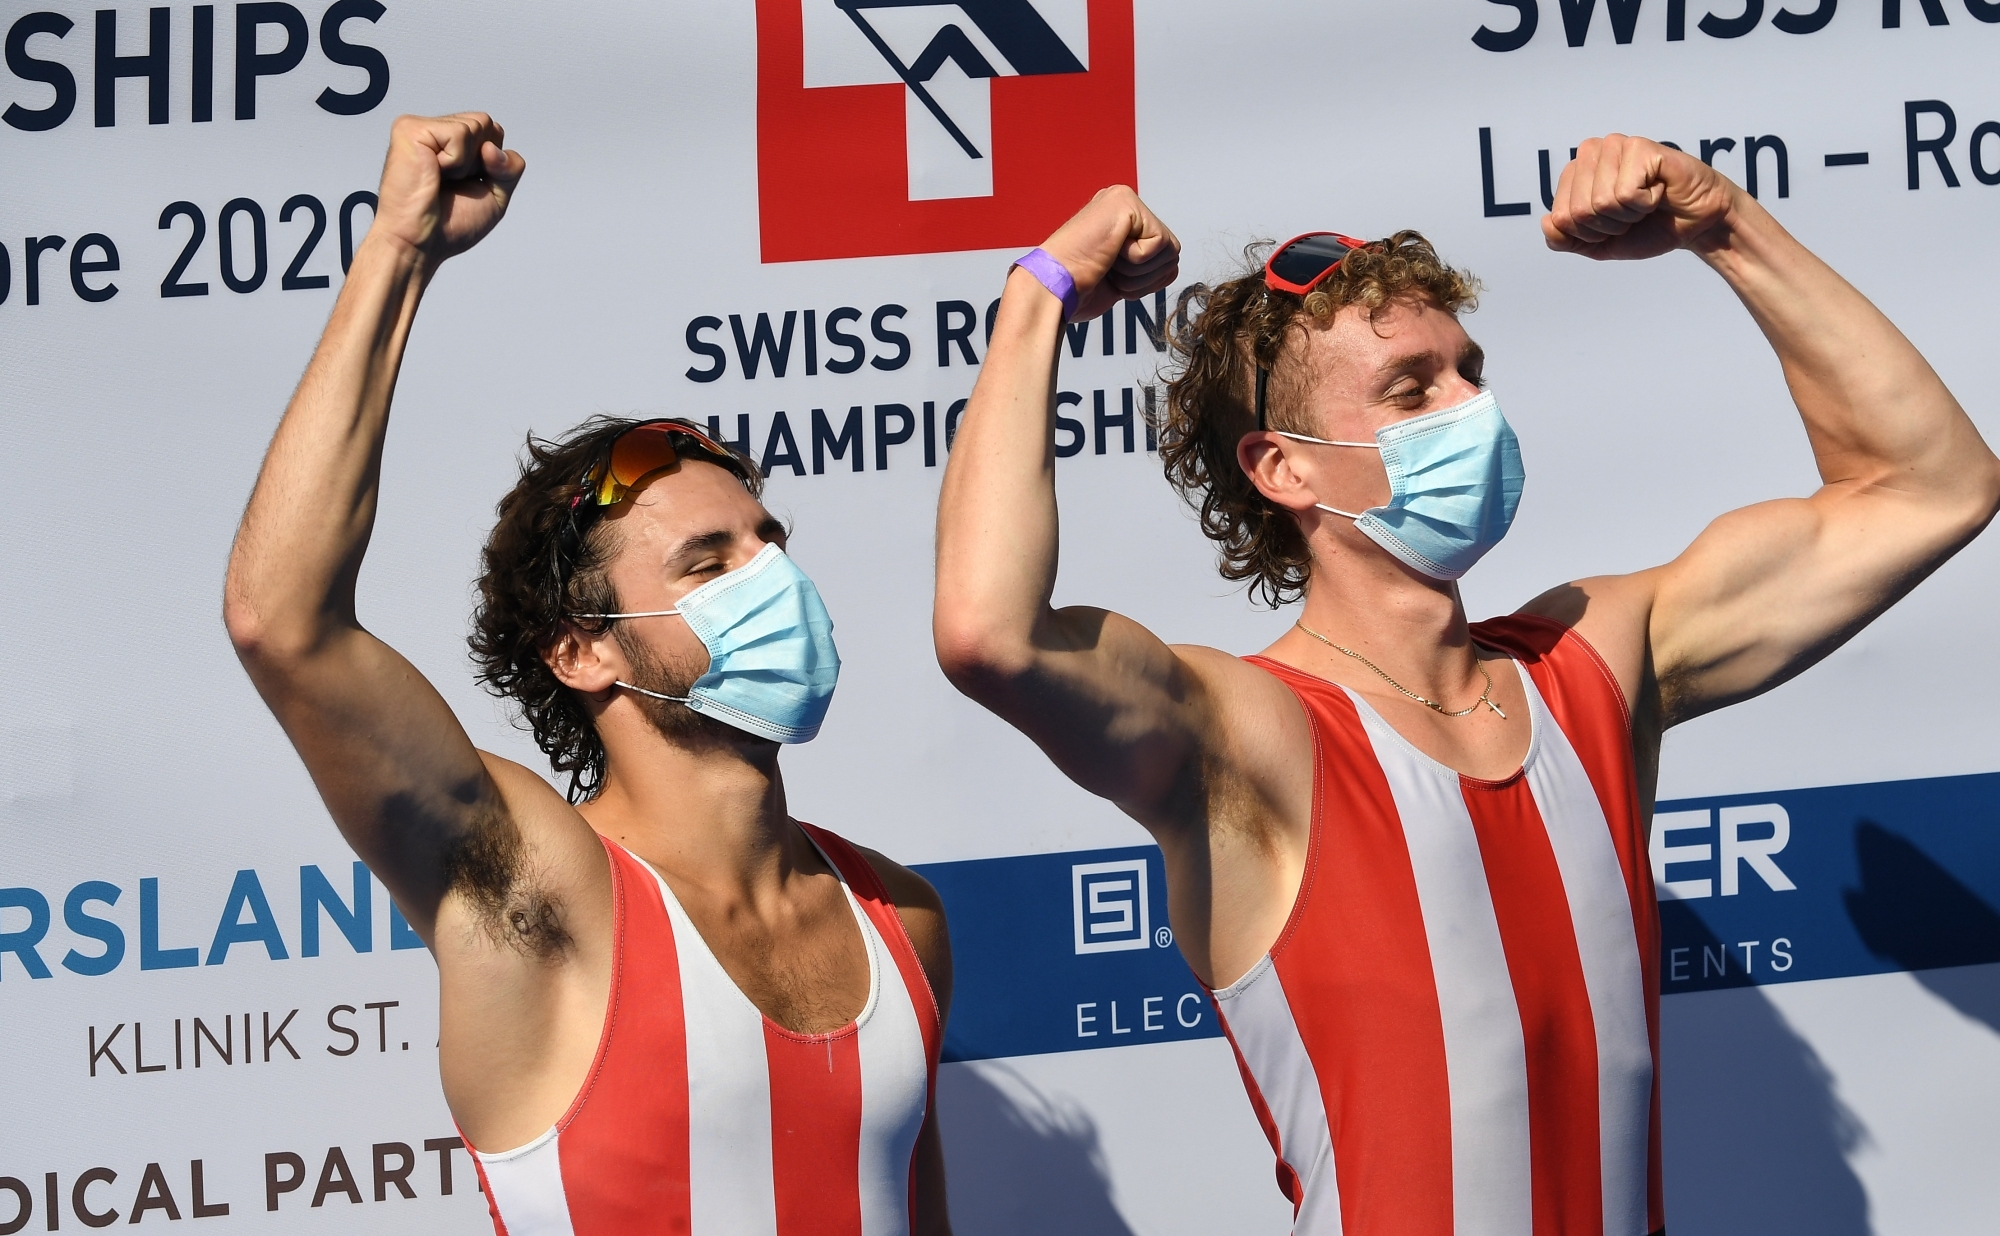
x=1115 y=249
x=1627 y=197
x=446 y=182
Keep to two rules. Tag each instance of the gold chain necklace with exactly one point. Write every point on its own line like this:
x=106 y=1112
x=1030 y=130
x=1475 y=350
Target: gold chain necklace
x=1485 y=697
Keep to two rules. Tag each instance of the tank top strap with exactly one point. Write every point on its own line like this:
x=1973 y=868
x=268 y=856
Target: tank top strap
x=644 y=1001
x=1573 y=679
x=873 y=896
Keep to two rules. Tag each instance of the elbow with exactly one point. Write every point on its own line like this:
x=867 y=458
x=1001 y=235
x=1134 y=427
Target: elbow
x=250 y=633
x=981 y=659
x=265 y=647
x=1981 y=498
x=1989 y=494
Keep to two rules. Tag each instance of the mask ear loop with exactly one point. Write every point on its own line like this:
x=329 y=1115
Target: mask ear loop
x=1300 y=437
x=672 y=699
x=649 y=613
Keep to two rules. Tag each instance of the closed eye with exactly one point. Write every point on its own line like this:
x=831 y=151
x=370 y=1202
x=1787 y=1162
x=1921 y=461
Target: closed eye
x=1472 y=365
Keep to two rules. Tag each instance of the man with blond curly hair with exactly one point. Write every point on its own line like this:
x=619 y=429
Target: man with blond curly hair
x=1408 y=852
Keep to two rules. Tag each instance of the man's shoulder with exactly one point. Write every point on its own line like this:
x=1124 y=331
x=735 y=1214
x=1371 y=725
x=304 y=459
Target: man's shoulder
x=905 y=887
x=1609 y=615
x=921 y=910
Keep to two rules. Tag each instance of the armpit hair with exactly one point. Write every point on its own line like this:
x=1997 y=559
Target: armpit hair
x=488 y=866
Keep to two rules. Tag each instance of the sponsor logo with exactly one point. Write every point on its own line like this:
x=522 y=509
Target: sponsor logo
x=1109 y=906
x=98 y=923
x=885 y=126
x=1745 y=836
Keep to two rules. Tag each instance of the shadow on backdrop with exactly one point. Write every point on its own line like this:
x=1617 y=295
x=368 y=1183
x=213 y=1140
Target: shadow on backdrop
x=1018 y=1161
x=1757 y=1143
x=1912 y=911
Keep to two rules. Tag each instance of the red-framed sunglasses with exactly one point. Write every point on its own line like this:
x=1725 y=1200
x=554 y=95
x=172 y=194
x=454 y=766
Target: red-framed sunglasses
x=638 y=453
x=1298 y=266
x=1303 y=262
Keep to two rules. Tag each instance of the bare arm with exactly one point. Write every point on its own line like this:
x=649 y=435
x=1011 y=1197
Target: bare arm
x=1102 y=696
x=1767 y=591
x=399 y=775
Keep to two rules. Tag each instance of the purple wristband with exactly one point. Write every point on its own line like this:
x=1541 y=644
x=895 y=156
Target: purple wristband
x=1052 y=275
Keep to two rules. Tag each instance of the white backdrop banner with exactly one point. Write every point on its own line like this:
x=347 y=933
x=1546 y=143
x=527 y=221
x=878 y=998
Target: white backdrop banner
x=790 y=218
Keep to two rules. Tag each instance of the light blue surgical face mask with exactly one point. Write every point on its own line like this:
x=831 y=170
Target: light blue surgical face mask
x=772 y=665
x=1454 y=481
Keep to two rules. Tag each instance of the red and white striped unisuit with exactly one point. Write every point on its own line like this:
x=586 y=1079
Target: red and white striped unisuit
x=703 y=1116
x=1457 y=1031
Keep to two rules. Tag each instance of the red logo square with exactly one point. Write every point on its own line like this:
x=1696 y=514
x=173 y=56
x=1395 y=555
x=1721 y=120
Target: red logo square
x=899 y=126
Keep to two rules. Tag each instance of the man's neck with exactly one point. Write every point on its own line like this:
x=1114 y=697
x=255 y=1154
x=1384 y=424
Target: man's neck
x=711 y=813
x=1410 y=626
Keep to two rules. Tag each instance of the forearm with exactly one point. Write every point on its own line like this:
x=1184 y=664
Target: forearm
x=1874 y=410
x=997 y=523
x=292 y=571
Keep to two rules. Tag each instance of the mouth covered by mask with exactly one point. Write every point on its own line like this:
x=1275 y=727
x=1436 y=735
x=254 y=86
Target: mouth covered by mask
x=1455 y=480
x=772 y=665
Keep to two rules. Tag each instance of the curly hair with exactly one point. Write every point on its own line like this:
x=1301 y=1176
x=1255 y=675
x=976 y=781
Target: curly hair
x=544 y=561
x=1221 y=335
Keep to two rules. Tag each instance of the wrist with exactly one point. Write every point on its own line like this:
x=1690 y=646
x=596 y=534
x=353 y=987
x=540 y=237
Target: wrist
x=1052 y=275
x=390 y=252
x=1026 y=302
x=1743 y=236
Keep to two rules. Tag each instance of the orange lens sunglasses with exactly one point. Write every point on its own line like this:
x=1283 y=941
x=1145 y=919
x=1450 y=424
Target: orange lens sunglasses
x=637 y=454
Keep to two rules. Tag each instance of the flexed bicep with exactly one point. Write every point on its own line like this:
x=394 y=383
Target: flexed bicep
x=1906 y=480
x=1766 y=592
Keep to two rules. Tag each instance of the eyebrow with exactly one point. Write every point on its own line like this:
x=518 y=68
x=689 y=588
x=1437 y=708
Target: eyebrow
x=770 y=530
x=1470 y=353
x=1402 y=363
x=700 y=543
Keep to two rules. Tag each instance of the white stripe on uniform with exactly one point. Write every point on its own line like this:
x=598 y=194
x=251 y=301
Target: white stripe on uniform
x=893 y=1097
x=526 y=1185
x=1260 y=1021
x=1601 y=912
x=1486 y=1057
x=730 y=1185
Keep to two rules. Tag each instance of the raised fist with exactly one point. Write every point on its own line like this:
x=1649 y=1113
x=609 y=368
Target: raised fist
x=1115 y=249
x=1627 y=197
x=445 y=182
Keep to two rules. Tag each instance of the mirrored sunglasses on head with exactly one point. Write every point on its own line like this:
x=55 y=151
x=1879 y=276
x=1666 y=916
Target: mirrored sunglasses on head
x=626 y=462
x=1298 y=266
x=635 y=455
x=1303 y=262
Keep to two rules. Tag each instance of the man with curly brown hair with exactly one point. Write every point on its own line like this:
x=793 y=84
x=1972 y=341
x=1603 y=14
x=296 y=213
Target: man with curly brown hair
x=665 y=1006
x=1408 y=853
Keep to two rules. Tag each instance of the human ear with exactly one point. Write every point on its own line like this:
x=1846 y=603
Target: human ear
x=1266 y=458
x=586 y=663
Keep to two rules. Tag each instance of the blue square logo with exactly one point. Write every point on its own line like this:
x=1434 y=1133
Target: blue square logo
x=1110 y=907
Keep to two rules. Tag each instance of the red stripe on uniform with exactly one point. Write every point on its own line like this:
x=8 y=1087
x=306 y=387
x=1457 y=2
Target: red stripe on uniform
x=1587 y=702
x=815 y=1130
x=645 y=1129
x=866 y=884
x=1556 y=1026
x=1366 y=1004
